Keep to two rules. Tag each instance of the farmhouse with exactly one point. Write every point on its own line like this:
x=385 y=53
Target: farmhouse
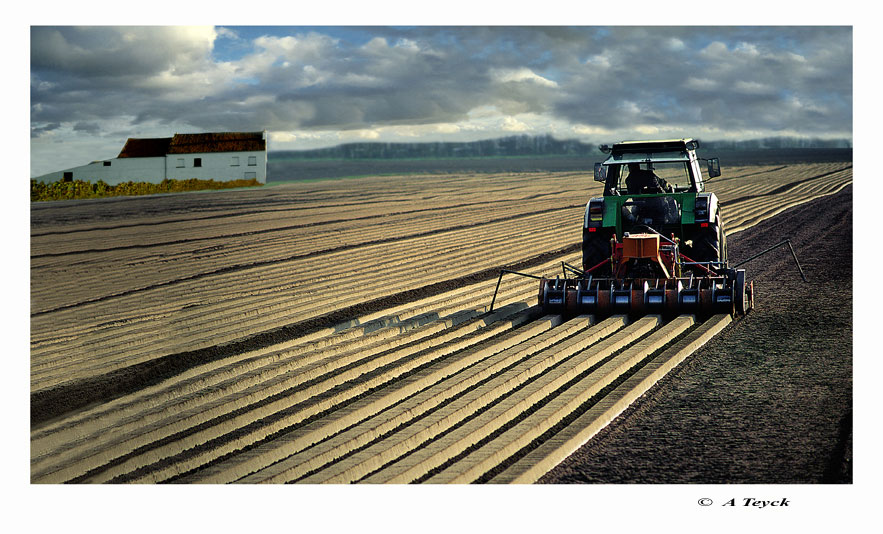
x=205 y=156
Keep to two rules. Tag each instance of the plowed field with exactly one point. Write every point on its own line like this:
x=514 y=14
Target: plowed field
x=339 y=331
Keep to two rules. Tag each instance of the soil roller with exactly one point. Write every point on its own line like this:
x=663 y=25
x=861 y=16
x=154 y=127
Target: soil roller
x=632 y=290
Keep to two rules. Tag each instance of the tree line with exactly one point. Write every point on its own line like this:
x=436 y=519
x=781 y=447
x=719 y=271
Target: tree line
x=521 y=145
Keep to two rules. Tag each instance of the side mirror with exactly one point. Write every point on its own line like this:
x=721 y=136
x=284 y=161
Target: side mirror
x=600 y=173
x=714 y=168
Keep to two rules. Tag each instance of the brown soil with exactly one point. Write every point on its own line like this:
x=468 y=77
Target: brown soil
x=202 y=333
x=56 y=402
x=767 y=401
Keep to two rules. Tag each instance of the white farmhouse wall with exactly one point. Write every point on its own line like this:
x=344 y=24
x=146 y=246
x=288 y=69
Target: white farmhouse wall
x=218 y=166
x=120 y=170
x=155 y=159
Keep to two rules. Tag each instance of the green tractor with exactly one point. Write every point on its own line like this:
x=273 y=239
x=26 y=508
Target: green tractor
x=657 y=187
x=654 y=243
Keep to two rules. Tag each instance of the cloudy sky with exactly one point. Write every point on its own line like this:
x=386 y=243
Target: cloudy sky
x=312 y=86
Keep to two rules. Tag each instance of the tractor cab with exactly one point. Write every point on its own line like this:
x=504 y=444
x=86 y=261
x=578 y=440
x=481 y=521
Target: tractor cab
x=653 y=167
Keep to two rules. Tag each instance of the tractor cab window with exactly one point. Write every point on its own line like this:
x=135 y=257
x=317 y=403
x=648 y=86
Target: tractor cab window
x=637 y=174
x=675 y=174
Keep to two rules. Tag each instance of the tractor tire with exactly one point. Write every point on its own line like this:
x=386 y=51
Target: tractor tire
x=596 y=248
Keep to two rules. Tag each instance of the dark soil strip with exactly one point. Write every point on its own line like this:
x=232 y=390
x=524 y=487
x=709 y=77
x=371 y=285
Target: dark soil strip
x=769 y=399
x=683 y=338
x=52 y=403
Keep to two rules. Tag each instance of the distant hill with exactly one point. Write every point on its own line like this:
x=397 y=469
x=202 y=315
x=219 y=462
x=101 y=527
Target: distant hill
x=522 y=145
x=773 y=143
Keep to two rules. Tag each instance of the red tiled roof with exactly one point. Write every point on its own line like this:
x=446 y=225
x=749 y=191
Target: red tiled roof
x=217 y=142
x=194 y=144
x=145 y=148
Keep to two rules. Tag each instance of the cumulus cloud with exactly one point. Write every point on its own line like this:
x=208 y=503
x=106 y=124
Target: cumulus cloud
x=309 y=85
x=38 y=130
x=701 y=84
x=109 y=53
x=740 y=78
x=589 y=130
x=511 y=124
x=521 y=75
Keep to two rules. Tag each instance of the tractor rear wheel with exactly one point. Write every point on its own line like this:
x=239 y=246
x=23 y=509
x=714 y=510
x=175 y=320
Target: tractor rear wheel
x=710 y=243
x=596 y=249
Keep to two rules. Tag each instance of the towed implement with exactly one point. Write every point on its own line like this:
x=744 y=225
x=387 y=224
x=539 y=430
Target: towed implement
x=654 y=243
x=675 y=289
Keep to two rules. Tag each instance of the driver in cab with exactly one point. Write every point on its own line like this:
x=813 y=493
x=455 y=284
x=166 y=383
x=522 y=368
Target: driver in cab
x=643 y=181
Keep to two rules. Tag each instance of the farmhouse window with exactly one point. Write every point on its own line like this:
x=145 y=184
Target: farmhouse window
x=107 y=164
x=197 y=162
x=68 y=177
x=251 y=176
x=235 y=161
x=252 y=161
x=180 y=163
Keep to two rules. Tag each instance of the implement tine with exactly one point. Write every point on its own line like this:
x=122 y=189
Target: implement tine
x=799 y=268
x=500 y=279
x=568 y=267
x=777 y=245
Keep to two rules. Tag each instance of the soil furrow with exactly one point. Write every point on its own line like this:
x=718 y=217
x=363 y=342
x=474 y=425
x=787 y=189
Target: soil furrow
x=226 y=346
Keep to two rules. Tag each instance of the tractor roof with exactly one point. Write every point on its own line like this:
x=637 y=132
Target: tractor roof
x=662 y=145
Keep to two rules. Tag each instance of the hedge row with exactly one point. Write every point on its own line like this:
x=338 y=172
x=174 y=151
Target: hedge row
x=80 y=189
